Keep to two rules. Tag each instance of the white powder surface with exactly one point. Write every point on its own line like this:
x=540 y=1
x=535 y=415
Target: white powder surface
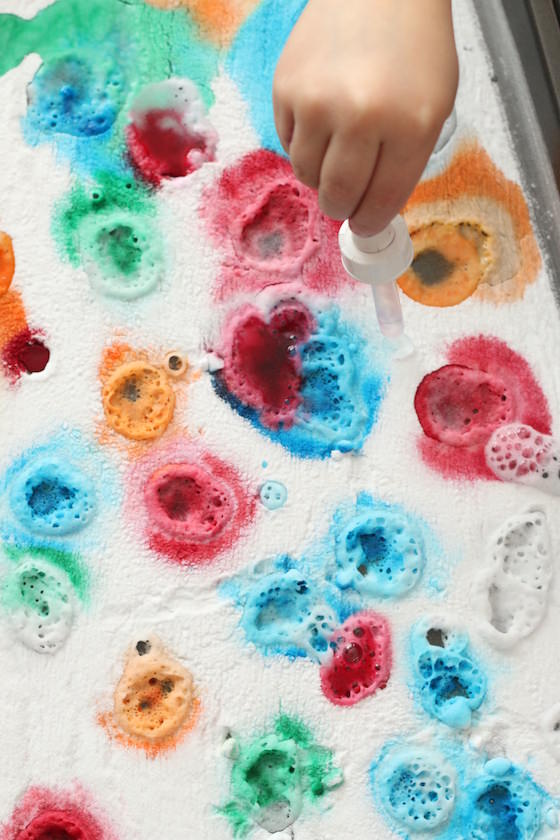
x=51 y=736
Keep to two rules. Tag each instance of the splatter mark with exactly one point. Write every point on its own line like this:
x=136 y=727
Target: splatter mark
x=7 y=262
x=191 y=505
x=516 y=452
x=361 y=659
x=58 y=814
x=52 y=497
x=550 y=728
x=472 y=235
x=217 y=19
x=259 y=43
x=25 y=353
x=275 y=775
x=270 y=230
x=176 y=365
x=39 y=595
x=449 y=683
x=169 y=135
x=380 y=549
x=138 y=401
x=92 y=60
x=273 y=494
x=303 y=379
x=283 y=610
x=484 y=386
x=416 y=787
x=511 y=593
x=503 y=803
x=155 y=702
x=110 y=228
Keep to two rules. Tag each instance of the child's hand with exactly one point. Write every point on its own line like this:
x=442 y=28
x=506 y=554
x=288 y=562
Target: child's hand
x=361 y=91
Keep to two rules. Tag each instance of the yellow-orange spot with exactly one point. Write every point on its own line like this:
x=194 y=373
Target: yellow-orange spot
x=138 y=401
x=155 y=703
x=12 y=316
x=472 y=203
x=7 y=262
x=218 y=19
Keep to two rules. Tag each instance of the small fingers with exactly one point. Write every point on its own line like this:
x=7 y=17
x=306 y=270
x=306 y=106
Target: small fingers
x=307 y=150
x=347 y=169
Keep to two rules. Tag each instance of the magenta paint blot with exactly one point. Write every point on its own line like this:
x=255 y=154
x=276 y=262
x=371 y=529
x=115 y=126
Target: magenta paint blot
x=361 y=659
x=271 y=230
x=485 y=386
x=25 y=353
x=45 y=814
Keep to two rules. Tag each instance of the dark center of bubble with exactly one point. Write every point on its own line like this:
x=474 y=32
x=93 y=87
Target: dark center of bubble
x=352 y=653
x=374 y=547
x=166 y=686
x=498 y=803
x=178 y=496
x=49 y=495
x=451 y=686
x=269 y=776
x=271 y=244
x=435 y=637
x=174 y=362
x=432 y=267
x=130 y=389
x=121 y=246
x=56 y=834
x=143 y=647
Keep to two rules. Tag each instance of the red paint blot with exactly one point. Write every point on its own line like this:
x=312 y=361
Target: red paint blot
x=261 y=362
x=485 y=386
x=361 y=661
x=191 y=505
x=25 y=353
x=271 y=230
x=46 y=815
x=162 y=146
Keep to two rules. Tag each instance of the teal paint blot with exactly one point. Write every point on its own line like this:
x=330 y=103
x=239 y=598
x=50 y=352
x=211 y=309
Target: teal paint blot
x=273 y=495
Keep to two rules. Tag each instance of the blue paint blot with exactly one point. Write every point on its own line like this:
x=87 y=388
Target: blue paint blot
x=379 y=549
x=450 y=684
x=415 y=787
x=502 y=806
x=273 y=495
x=253 y=57
x=342 y=390
x=70 y=96
x=283 y=611
x=51 y=497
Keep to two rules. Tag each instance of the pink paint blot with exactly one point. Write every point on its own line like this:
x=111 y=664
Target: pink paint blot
x=48 y=815
x=190 y=504
x=486 y=385
x=25 y=353
x=361 y=660
x=261 y=363
x=271 y=230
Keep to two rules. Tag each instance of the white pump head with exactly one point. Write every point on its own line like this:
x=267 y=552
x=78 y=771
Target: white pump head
x=380 y=258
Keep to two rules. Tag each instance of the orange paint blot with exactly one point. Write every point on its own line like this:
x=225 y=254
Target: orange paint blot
x=155 y=704
x=219 y=20
x=472 y=235
x=7 y=263
x=12 y=316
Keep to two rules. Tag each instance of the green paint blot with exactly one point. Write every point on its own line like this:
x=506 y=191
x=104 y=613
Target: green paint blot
x=275 y=774
x=149 y=44
x=70 y=564
x=110 y=226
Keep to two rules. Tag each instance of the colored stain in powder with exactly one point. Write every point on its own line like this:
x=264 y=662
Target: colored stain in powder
x=155 y=702
x=7 y=262
x=68 y=563
x=218 y=19
x=169 y=135
x=450 y=683
x=270 y=229
x=361 y=659
x=45 y=814
x=259 y=43
x=25 y=353
x=459 y=406
x=76 y=97
x=472 y=235
x=380 y=550
x=327 y=387
x=273 y=495
x=192 y=505
x=416 y=788
x=110 y=228
x=276 y=775
x=138 y=401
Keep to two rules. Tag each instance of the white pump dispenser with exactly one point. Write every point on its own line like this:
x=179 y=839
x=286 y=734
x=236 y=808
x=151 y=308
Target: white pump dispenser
x=379 y=260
